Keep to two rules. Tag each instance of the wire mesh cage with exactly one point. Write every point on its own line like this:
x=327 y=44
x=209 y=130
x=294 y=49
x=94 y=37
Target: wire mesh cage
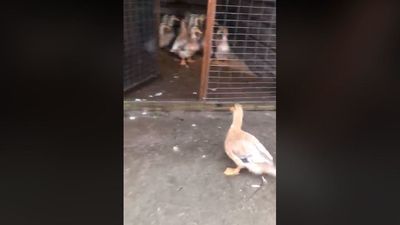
x=241 y=66
x=140 y=38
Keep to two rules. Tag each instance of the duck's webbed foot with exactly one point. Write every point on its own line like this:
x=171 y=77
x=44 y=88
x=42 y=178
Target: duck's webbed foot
x=190 y=60
x=232 y=171
x=183 y=63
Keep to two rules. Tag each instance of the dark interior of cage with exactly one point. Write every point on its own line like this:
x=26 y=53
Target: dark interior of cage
x=175 y=81
x=248 y=72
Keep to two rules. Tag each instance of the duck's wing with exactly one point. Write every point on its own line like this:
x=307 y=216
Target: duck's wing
x=179 y=44
x=249 y=150
x=260 y=147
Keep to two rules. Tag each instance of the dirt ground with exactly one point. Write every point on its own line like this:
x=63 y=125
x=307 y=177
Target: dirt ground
x=173 y=170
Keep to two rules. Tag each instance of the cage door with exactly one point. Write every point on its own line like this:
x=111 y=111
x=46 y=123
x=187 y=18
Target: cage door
x=240 y=56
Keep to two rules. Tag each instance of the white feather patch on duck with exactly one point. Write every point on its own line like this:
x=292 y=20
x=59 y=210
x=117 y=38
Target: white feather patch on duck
x=191 y=46
x=182 y=38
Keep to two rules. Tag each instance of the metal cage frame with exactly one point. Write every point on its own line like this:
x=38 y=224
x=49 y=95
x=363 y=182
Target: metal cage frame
x=249 y=75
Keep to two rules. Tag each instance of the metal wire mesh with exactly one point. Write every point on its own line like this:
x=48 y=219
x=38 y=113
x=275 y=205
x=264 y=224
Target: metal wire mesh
x=246 y=72
x=139 y=42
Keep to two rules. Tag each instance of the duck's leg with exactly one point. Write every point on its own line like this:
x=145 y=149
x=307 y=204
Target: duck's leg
x=190 y=60
x=183 y=62
x=232 y=171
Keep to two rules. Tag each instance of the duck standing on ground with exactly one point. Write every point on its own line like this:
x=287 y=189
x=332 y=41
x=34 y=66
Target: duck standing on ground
x=245 y=149
x=187 y=43
x=225 y=57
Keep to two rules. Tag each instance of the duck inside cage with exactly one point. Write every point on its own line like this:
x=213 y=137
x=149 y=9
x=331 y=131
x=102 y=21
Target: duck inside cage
x=198 y=50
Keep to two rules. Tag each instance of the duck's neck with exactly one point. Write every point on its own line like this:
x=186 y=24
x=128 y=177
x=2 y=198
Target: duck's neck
x=225 y=38
x=237 y=119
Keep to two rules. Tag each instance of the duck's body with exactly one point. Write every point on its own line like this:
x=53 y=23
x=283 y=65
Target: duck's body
x=189 y=49
x=166 y=35
x=166 y=30
x=182 y=38
x=187 y=43
x=245 y=149
x=223 y=49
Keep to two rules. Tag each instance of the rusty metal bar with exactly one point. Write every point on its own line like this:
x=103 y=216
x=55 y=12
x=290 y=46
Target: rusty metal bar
x=207 y=48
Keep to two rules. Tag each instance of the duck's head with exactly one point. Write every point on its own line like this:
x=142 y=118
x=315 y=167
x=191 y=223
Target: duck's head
x=174 y=18
x=195 y=33
x=165 y=28
x=236 y=107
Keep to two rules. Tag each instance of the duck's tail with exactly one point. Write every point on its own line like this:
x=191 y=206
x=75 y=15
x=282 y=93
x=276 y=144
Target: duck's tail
x=270 y=170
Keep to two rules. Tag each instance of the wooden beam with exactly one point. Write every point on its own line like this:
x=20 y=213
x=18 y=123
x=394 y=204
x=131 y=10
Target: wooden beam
x=207 y=49
x=192 y=106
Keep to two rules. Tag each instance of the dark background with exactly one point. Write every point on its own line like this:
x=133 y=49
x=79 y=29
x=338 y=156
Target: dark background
x=337 y=128
x=338 y=112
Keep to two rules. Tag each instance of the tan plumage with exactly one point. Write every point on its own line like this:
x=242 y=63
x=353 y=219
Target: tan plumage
x=245 y=149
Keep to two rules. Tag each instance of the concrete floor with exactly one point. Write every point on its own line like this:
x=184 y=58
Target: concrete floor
x=175 y=83
x=185 y=185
